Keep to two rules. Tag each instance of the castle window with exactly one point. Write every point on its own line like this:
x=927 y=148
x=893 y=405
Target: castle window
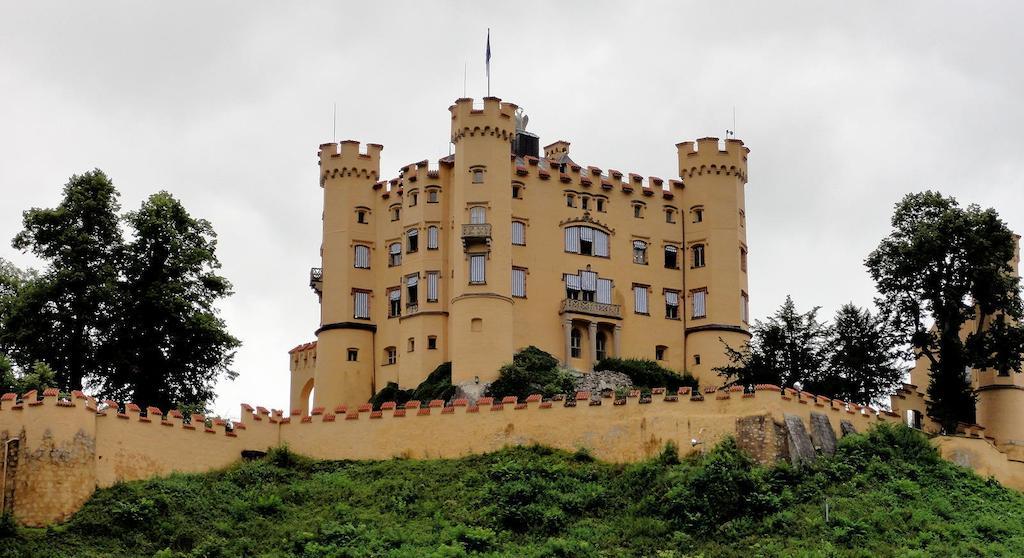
x=640 y=299
x=431 y=342
x=600 y=205
x=518 y=282
x=432 y=232
x=414 y=197
x=743 y=259
x=697 y=212
x=353 y=355
x=575 y=343
x=587 y=241
x=361 y=216
x=743 y=218
x=478 y=175
x=660 y=351
x=361 y=305
x=394 y=254
x=671 y=257
x=602 y=343
x=396 y=213
x=432 y=279
x=476 y=325
x=700 y=300
x=698 y=255
x=570 y=200
x=478 y=215
x=696 y=360
x=672 y=305
x=744 y=307
x=585 y=203
x=412 y=241
x=394 y=302
x=412 y=290
x=432 y=195
x=639 y=252
x=362 y=256
x=412 y=344
x=390 y=355
x=477 y=267
x=604 y=291
x=638 y=210
x=518 y=233
x=670 y=215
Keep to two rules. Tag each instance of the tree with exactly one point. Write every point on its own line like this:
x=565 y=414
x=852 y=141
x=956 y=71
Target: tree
x=169 y=346
x=62 y=316
x=946 y=264
x=789 y=347
x=38 y=378
x=863 y=362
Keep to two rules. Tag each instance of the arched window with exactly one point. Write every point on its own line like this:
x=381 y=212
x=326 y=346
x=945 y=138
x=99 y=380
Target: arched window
x=396 y=212
x=412 y=240
x=432 y=232
x=601 y=345
x=362 y=256
x=697 y=213
x=390 y=355
x=587 y=241
x=478 y=175
x=477 y=215
x=432 y=195
x=570 y=200
x=640 y=252
x=575 y=343
x=414 y=196
x=698 y=255
x=660 y=352
x=394 y=254
x=670 y=215
x=671 y=257
x=638 y=210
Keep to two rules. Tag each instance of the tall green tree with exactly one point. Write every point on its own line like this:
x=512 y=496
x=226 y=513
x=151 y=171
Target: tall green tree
x=170 y=347
x=942 y=265
x=864 y=358
x=63 y=315
x=788 y=347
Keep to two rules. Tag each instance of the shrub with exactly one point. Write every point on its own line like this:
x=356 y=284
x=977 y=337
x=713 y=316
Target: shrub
x=532 y=371
x=646 y=373
x=390 y=392
x=437 y=385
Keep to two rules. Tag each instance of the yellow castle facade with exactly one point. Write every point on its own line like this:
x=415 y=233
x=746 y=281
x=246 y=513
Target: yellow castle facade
x=498 y=246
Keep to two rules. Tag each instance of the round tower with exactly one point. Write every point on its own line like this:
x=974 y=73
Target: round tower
x=715 y=264
x=344 y=350
x=481 y=212
x=1000 y=404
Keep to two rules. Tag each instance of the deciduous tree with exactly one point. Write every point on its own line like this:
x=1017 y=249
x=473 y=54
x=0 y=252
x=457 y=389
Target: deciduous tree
x=941 y=266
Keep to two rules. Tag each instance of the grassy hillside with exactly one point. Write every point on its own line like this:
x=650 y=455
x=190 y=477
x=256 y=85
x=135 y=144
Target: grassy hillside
x=888 y=493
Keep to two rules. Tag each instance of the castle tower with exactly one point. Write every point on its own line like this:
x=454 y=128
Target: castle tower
x=345 y=340
x=480 y=321
x=715 y=252
x=1000 y=404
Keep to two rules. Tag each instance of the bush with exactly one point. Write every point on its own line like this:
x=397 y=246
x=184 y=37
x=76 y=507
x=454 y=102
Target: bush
x=437 y=385
x=646 y=373
x=532 y=371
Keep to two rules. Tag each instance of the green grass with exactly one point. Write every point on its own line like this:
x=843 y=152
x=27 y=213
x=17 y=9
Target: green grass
x=889 y=494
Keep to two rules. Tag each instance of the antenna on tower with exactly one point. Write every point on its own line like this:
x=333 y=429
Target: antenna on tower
x=732 y=133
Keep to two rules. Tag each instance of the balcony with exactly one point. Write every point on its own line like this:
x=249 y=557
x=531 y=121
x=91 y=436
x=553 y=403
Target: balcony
x=591 y=308
x=316 y=279
x=473 y=233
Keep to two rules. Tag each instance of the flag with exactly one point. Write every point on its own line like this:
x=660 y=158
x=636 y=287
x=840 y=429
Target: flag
x=488 y=61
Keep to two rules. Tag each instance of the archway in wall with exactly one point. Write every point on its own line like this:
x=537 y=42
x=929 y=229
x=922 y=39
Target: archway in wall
x=307 y=396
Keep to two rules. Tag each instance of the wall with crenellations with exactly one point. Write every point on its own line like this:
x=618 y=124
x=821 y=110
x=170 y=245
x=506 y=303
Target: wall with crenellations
x=58 y=449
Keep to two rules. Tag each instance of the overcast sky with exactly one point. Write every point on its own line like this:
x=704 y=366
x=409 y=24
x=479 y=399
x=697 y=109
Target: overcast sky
x=846 y=107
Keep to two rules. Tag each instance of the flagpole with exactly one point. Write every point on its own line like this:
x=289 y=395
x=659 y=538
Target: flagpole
x=488 y=60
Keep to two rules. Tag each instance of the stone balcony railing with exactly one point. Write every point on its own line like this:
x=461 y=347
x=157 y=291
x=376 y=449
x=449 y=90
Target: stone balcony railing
x=476 y=232
x=589 y=307
x=316 y=279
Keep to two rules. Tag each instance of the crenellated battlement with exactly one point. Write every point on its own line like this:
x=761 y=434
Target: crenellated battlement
x=707 y=156
x=346 y=159
x=495 y=119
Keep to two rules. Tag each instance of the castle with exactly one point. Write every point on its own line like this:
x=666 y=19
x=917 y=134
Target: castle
x=494 y=250
x=498 y=248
